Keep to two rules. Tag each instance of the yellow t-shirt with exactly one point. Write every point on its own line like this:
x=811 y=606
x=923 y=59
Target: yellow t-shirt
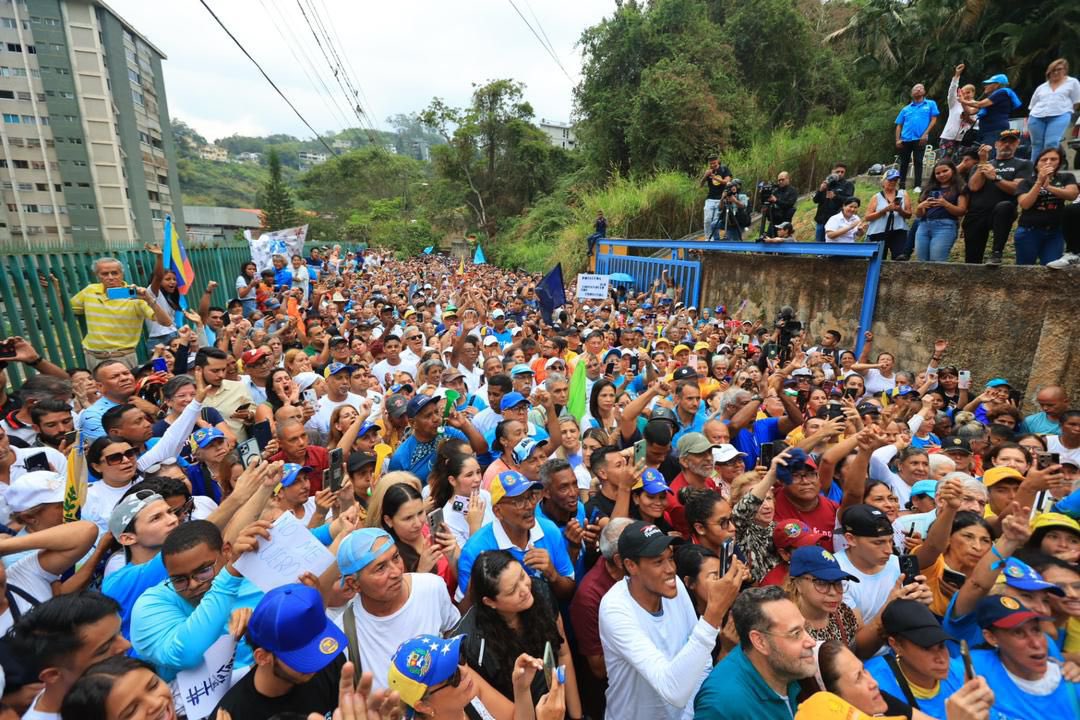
x=111 y=325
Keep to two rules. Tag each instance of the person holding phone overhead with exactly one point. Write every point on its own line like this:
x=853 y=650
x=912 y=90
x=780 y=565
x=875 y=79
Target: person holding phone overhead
x=115 y=313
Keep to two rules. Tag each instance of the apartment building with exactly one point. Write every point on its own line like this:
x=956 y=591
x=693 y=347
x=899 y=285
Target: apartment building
x=559 y=133
x=86 y=151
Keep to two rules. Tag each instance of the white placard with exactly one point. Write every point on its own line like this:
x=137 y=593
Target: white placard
x=291 y=551
x=287 y=242
x=201 y=688
x=592 y=287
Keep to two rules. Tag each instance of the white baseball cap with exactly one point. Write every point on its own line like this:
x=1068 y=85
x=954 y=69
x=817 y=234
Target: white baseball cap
x=35 y=488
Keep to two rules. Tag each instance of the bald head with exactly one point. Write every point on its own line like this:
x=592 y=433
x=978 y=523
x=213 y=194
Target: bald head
x=1053 y=401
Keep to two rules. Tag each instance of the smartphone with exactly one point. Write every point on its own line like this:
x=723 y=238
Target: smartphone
x=435 y=521
x=965 y=653
x=69 y=437
x=262 y=433
x=7 y=349
x=249 y=451
x=1017 y=397
x=594 y=516
x=159 y=365
x=956 y=579
x=35 y=462
x=851 y=392
x=691 y=361
x=727 y=552
x=1046 y=459
x=964 y=379
x=120 y=293
x=768 y=452
x=310 y=396
x=337 y=468
x=634 y=364
x=834 y=411
x=639 y=452
x=609 y=369
x=909 y=566
x=549 y=664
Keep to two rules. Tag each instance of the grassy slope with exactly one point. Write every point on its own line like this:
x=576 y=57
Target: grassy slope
x=204 y=182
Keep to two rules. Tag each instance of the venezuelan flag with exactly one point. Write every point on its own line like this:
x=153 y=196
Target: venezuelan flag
x=176 y=258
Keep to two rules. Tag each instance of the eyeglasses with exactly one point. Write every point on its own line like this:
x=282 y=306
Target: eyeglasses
x=824 y=586
x=795 y=634
x=523 y=501
x=558 y=366
x=454 y=681
x=204 y=574
x=183 y=511
x=724 y=522
x=118 y=457
x=414 y=337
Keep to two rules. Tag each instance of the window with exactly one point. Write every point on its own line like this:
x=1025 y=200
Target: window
x=11 y=119
x=71 y=118
x=30 y=208
x=62 y=209
x=83 y=185
x=7 y=95
x=43 y=187
x=9 y=23
x=86 y=206
x=37 y=165
x=28 y=120
x=7 y=185
x=138 y=97
x=43 y=120
x=14 y=47
x=57 y=187
x=23 y=96
x=16 y=142
x=134 y=76
x=12 y=207
x=31 y=50
x=45 y=208
x=78 y=163
x=22 y=164
x=26 y=187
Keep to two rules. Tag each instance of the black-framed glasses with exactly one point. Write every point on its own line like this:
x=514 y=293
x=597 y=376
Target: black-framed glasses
x=118 y=457
x=414 y=337
x=825 y=587
x=204 y=574
x=525 y=500
x=454 y=681
x=724 y=522
x=182 y=512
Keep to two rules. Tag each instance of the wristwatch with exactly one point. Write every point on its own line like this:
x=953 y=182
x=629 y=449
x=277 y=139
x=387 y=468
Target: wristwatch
x=755 y=398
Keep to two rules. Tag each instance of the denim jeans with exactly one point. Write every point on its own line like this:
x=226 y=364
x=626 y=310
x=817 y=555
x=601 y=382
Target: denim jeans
x=1046 y=132
x=1035 y=244
x=819 y=233
x=934 y=239
x=712 y=219
x=733 y=233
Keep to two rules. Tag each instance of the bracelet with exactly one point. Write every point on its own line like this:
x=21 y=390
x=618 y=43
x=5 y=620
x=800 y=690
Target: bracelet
x=36 y=361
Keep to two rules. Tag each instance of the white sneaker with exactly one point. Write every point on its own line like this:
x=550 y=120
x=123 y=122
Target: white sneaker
x=917 y=191
x=1066 y=260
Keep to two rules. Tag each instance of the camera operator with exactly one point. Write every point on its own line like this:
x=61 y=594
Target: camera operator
x=785 y=232
x=717 y=178
x=735 y=211
x=781 y=203
x=830 y=198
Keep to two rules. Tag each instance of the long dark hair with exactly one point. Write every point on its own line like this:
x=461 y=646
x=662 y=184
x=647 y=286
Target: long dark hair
x=537 y=623
x=87 y=697
x=449 y=460
x=698 y=505
x=272 y=397
x=396 y=496
x=594 y=395
x=253 y=275
x=955 y=184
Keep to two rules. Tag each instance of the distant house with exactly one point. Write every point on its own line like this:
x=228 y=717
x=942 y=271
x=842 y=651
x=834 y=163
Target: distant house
x=214 y=153
x=207 y=225
x=309 y=160
x=559 y=134
x=249 y=158
x=341 y=144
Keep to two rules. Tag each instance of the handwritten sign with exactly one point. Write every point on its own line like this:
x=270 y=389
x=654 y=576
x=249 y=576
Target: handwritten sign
x=202 y=688
x=291 y=551
x=592 y=287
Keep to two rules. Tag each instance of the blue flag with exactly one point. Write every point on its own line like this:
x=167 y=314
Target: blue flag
x=428 y=250
x=478 y=256
x=551 y=293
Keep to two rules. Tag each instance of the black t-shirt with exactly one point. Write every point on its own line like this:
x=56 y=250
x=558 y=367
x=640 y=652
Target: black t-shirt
x=1048 y=208
x=317 y=695
x=991 y=193
x=827 y=207
x=715 y=184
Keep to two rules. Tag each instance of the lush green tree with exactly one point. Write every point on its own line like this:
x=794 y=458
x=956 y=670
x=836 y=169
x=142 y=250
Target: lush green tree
x=275 y=199
x=354 y=179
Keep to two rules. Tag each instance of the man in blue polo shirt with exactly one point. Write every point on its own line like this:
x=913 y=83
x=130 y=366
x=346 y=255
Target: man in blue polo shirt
x=417 y=453
x=536 y=542
x=913 y=126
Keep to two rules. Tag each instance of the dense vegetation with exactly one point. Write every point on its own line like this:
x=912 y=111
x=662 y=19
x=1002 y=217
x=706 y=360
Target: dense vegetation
x=769 y=84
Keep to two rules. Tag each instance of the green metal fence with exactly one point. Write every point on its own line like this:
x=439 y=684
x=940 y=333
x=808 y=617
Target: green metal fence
x=36 y=307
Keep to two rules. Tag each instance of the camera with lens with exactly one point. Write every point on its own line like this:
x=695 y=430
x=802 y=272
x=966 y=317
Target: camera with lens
x=833 y=182
x=766 y=190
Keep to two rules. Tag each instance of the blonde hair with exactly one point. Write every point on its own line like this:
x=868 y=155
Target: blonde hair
x=742 y=484
x=378 y=491
x=290 y=356
x=1060 y=61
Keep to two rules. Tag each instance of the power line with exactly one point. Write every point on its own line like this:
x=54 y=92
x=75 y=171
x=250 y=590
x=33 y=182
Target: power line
x=272 y=83
x=540 y=25
x=337 y=38
x=353 y=85
x=539 y=40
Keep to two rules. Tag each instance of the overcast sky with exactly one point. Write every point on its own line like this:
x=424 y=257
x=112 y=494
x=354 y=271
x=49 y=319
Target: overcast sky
x=401 y=53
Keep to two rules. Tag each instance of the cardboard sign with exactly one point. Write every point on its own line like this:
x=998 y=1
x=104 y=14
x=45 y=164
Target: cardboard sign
x=201 y=688
x=291 y=551
x=592 y=287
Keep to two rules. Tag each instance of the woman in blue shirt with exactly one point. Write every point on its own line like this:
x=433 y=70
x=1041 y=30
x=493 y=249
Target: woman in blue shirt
x=941 y=206
x=997 y=102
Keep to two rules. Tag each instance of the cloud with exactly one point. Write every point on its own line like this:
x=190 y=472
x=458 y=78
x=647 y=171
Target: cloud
x=400 y=54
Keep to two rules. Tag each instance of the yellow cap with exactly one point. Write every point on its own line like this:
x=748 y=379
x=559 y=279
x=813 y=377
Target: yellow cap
x=826 y=706
x=1054 y=520
x=996 y=474
x=681 y=348
x=701 y=345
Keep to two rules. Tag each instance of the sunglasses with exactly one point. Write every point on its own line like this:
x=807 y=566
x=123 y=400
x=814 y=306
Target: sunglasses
x=119 y=457
x=182 y=512
x=454 y=681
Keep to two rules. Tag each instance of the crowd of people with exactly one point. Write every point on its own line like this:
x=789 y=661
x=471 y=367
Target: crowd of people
x=978 y=183
x=635 y=509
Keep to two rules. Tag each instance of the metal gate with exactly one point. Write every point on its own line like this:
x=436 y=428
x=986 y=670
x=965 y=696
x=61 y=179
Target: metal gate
x=646 y=270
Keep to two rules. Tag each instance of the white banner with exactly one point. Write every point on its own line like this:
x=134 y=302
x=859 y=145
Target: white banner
x=592 y=287
x=290 y=551
x=287 y=242
x=201 y=688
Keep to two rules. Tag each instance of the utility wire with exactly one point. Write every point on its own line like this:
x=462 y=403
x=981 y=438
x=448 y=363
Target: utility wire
x=339 y=66
x=539 y=40
x=272 y=83
x=371 y=112
x=540 y=25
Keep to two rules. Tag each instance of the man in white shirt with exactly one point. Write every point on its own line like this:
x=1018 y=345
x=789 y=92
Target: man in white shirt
x=390 y=605
x=338 y=380
x=414 y=345
x=869 y=558
x=1067 y=444
x=393 y=362
x=656 y=649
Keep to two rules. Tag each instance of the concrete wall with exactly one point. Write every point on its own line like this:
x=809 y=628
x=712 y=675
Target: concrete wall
x=1022 y=323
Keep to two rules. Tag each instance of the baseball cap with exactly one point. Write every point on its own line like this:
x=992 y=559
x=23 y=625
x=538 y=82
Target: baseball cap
x=693 y=443
x=1020 y=575
x=497 y=314
x=509 y=483
x=35 y=488
x=868 y=408
x=305 y=380
x=291 y=473
x=997 y=474
x=797 y=534
x=998 y=382
x=700 y=344
x=422 y=663
x=666 y=415
x=681 y=348
x=1009 y=135
x=1002 y=611
x=396 y=405
x=490 y=340
x=913 y=621
x=291 y=623
x=999 y=79
x=866 y=521
x=129 y=507
x=797 y=461
x=661 y=339
x=359 y=461
x=418 y=403
x=335 y=367
x=641 y=539
x=652 y=482
x=339 y=340
x=892 y=174
x=525 y=448
x=254 y=355
x=367 y=427
x=684 y=373
x=511 y=400
x=204 y=436
x=724 y=453
x=355 y=552
x=449 y=311
x=802 y=372
x=826 y=706
x=956 y=444
x=924 y=487
x=271 y=304
x=1048 y=520
x=521 y=369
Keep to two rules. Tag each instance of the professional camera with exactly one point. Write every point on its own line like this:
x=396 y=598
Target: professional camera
x=766 y=190
x=833 y=182
x=786 y=321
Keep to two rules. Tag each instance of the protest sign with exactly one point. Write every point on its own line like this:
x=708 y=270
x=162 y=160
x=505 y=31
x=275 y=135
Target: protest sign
x=592 y=287
x=290 y=551
x=201 y=688
x=287 y=242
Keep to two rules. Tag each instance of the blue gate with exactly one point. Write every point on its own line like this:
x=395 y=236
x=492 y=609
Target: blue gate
x=645 y=270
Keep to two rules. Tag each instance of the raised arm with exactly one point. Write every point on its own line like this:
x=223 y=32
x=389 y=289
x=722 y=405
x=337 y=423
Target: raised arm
x=937 y=539
x=1015 y=533
x=58 y=547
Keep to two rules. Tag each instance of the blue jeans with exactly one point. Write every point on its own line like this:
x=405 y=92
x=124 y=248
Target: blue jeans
x=819 y=233
x=1035 y=244
x=934 y=239
x=712 y=219
x=1046 y=132
x=733 y=233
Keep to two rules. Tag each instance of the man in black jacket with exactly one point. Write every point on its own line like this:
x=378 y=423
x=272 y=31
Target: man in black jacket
x=830 y=198
x=783 y=203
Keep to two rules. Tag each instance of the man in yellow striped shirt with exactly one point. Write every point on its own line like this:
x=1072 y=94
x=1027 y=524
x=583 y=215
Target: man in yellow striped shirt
x=114 y=326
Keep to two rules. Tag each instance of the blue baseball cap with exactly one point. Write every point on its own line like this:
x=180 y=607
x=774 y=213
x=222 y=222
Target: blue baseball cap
x=205 y=436
x=509 y=483
x=817 y=562
x=892 y=174
x=291 y=474
x=999 y=79
x=1022 y=576
x=525 y=448
x=422 y=663
x=998 y=382
x=925 y=487
x=1002 y=611
x=652 y=482
x=291 y=623
x=418 y=403
x=336 y=367
x=646 y=306
x=521 y=369
x=366 y=428
x=355 y=552
x=511 y=400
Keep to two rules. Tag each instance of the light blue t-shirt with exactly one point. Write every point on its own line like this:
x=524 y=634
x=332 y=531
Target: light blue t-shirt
x=915 y=118
x=127 y=584
x=935 y=706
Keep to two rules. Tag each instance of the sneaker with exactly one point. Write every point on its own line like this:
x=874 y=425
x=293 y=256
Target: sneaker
x=1066 y=260
x=917 y=190
x=995 y=259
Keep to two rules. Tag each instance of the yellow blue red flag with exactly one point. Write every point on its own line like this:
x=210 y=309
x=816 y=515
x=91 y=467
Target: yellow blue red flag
x=176 y=258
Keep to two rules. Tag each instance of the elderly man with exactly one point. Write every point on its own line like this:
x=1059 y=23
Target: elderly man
x=913 y=126
x=114 y=314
